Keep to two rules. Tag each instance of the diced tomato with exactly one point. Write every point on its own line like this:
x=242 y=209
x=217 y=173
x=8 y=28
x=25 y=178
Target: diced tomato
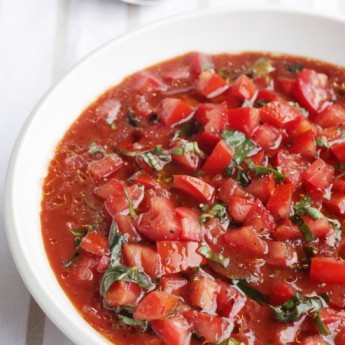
x=305 y=145
x=314 y=340
x=177 y=256
x=229 y=301
x=141 y=106
x=299 y=126
x=177 y=73
x=219 y=159
x=214 y=329
x=268 y=137
x=292 y=166
x=333 y=115
x=191 y=229
x=203 y=294
x=286 y=231
x=126 y=227
x=103 y=264
x=145 y=180
x=279 y=202
x=231 y=188
x=311 y=90
x=319 y=174
x=200 y=62
x=190 y=160
x=327 y=270
x=95 y=243
x=339 y=184
x=213 y=230
x=330 y=133
x=142 y=256
x=245 y=120
x=336 y=203
x=122 y=293
x=245 y=241
x=214 y=118
x=210 y=84
x=194 y=187
x=110 y=188
x=262 y=187
x=146 y=82
x=156 y=305
x=280 y=294
x=287 y=84
x=174 y=111
x=239 y=208
x=339 y=339
x=280 y=254
x=279 y=113
x=319 y=227
x=339 y=152
x=174 y=284
x=160 y=222
x=119 y=202
x=266 y=95
x=258 y=158
x=106 y=165
x=260 y=218
x=173 y=331
x=243 y=88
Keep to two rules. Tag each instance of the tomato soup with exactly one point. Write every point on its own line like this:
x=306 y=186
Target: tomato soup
x=202 y=201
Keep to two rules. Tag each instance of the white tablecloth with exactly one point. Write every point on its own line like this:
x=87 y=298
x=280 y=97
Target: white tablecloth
x=40 y=40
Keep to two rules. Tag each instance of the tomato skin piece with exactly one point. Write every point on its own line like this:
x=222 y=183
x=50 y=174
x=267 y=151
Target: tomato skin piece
x=336 y=203
x=174 y=111
x=210 y=84
x=122 y=293
x=105 y=166
x=173 y=331
x=268 y=137
x=194 y=187
x=339 y=151
x=327 y=270
x=160 y=222
x=280 y=254
x=311 y=90
x=260 y=218
x=279 y=202
x=243 y=88
x=239 y=208
x=191 y=229
x=333 y=115
x=95 y=243
x=142 y=256
x=279 y=113
x=305 y=145
x=319 y=174
x=262 y=187
x=219 y=159
x=245 y=120
x=203 y=294
x=214 y=329
x=156 y=305
x=246 y=241
x=177 y=256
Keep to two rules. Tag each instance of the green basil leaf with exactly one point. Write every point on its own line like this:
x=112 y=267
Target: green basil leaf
x=129 y=321
x=188 y=146
x=259 y=170
x=131 y=207
x=303 y=227
x=322 y=142
x=250 y=292
x=219 y=258
x=70 y=262
x=216 y=211
x=79 y=232
x=116 y=239
x=240 y=144
x=303 y=208
x=230 y=341
x=321 y=327
x=242 y=177
x=132 y=120
x=128 y=274
x=261 y=68
x=96 y=149
x=294 y=67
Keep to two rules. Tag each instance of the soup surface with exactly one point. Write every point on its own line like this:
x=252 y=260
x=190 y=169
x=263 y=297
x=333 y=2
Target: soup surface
x=202 y=201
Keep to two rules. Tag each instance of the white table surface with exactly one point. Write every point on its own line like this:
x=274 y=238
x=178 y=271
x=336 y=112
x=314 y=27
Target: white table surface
x=40 y=40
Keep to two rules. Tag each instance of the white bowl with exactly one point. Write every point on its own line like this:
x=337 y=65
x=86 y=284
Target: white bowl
x=212 y=31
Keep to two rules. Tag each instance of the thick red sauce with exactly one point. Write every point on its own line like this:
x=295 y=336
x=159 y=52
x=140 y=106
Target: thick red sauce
x=204 y=199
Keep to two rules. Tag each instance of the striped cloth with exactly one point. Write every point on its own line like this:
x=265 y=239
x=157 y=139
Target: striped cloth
x=40 y=40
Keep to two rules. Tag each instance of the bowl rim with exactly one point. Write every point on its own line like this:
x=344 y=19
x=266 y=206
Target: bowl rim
x=51 y=308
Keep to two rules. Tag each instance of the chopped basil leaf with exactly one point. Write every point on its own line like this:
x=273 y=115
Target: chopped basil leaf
x=129 y=321
x=303 y=208
x=132 y=120
x=297 y=306
x=188 y=147
x=154 y=118
x=131 y=207
x=243 y=177
x=123 y=273
x=303 y=111
x=96 y=149
x=250 y=292
x=206 y=251
x=216 y=211
x=230 y=341
x=240 y=144
x=303 y=227
x=294 y=67
x=78 y=232
x=322 y=142
x=321 y=327
x=261 y=68
x=207 y=66
x=115 y=243
x=125 y=152
x=259 y=170
x=77 y=242
x=71 y=261
x=260 y=103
